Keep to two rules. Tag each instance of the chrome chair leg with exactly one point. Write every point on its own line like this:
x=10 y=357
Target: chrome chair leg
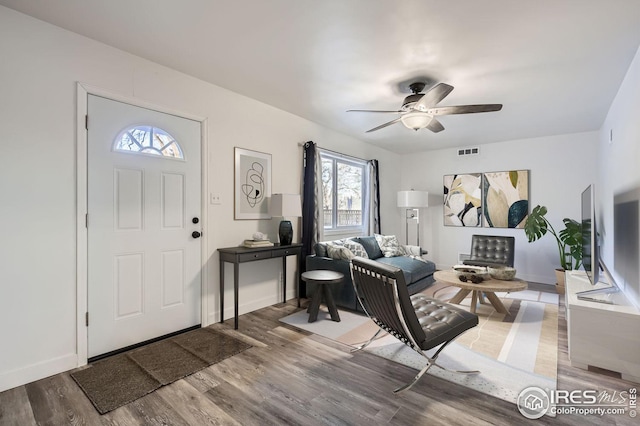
x=364 y=345
x=431 y=361
x=415 y=379
x=456 y=371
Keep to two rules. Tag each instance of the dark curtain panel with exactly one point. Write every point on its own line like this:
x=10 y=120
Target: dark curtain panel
x=377 y=227
x=308 y=207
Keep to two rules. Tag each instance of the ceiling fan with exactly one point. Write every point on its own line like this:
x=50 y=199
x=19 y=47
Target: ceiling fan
x=418 y=110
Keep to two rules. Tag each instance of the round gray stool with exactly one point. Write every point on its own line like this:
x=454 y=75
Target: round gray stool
x=322 y=279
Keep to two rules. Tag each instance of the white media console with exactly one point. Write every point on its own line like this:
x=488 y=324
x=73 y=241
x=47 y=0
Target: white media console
x=605 y=335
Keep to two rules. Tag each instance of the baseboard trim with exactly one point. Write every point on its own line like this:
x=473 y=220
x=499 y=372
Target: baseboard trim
x=254 y=305
x=31 y=373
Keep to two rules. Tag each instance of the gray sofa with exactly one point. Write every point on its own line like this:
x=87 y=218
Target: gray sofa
x=418 y=273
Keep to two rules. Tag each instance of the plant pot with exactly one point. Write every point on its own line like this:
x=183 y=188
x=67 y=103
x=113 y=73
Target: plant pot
x=560 y=280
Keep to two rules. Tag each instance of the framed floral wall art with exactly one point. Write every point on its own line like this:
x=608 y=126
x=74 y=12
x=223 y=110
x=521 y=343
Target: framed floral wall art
x=252 y=184
x=463 y=199
x=505 y=199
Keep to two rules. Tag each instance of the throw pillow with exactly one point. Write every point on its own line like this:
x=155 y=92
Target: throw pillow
x=389 y=245
x=321 y=249
x=420 y=258
x=339 y=252
x=356 y=248
x=370 y=245
x=409 y=250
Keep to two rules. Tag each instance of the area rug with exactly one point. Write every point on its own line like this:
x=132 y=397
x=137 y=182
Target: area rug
x=511 y=351
x=121 y=379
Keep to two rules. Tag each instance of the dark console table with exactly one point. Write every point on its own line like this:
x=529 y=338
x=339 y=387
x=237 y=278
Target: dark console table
x=238 y=255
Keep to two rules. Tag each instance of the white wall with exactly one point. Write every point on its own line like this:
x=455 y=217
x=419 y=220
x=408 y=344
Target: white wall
x=40 y=67
x=560 y=168
x=619 y=163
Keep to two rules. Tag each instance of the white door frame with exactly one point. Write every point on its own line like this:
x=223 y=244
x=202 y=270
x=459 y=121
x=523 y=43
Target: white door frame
x=83 y=91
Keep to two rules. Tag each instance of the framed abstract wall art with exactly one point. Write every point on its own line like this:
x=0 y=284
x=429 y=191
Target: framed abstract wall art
x=463 y=199
x=252 y=184
x=505 y=199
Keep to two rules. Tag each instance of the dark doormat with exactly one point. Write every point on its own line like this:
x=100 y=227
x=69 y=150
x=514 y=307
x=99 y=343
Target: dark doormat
x=121 y=379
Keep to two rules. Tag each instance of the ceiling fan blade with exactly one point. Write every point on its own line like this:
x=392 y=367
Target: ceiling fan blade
x=382 y=126
x=463 y=109
x=371 y=110
x=433 y=96
x=435 y=126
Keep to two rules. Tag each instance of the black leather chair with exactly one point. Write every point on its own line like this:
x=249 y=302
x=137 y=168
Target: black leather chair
x=488 y=250
x=420 y=322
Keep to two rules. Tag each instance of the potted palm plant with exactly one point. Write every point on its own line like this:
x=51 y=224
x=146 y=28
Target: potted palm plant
x=569 y=240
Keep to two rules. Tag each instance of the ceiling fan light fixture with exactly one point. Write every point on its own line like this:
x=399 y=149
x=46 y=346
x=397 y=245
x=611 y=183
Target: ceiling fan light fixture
x=415 y=120
x=418 y=110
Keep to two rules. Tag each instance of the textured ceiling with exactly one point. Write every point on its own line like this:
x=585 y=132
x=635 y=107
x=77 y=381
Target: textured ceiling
x=555 y=65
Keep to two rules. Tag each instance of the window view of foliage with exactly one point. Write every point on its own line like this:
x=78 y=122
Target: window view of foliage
x=149 y=140
x=343 y=186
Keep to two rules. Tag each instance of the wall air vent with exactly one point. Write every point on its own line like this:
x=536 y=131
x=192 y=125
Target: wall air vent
x=463 y=152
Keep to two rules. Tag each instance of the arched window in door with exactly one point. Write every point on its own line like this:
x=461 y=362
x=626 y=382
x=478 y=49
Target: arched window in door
x=148 y=140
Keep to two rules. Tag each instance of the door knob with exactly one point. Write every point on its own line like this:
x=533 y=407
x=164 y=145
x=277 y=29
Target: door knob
x=196 y=234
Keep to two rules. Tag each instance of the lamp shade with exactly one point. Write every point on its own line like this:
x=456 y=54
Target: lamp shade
x=413 y=199
x=285 y=205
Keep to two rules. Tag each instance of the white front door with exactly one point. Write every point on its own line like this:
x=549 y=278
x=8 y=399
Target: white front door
x=144 y=262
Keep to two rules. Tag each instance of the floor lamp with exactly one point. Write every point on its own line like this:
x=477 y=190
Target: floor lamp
x=413 y=201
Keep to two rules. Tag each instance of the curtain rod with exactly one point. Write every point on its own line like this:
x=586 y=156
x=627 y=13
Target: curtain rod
x=335 y=152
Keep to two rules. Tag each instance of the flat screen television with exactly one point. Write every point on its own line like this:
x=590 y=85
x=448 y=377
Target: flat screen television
x=590 y=248
x=591 y=261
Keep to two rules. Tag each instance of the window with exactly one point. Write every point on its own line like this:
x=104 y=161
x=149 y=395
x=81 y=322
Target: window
x=148 y=140
x=344 y=189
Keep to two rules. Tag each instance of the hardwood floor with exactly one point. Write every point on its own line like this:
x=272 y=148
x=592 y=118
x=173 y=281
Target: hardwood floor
x=293 y=377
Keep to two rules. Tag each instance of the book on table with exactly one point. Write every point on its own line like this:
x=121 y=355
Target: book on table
x=258 y=243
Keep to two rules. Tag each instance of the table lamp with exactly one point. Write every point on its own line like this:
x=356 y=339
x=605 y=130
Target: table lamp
x=285 y=205
x=412 y=201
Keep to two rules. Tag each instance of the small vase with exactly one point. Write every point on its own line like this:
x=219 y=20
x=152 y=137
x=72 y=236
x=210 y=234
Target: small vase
x=560 y=280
